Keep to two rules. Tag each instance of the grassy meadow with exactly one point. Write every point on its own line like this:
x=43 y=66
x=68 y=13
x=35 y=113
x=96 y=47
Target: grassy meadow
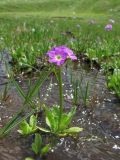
x=60 y=8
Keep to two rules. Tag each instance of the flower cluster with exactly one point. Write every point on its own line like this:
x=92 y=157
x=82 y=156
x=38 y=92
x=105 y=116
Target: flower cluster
x=108 y=27
x=60 y=54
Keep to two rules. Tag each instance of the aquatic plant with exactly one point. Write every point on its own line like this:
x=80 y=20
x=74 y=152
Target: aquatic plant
x=37 y=146
x=28 y=128
x=58 y=122
x=17 y=118
x=114 y=82
x=79 y=92
x=4 y=95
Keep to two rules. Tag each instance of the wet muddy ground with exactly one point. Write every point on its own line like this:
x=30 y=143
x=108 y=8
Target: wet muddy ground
x=100 y=139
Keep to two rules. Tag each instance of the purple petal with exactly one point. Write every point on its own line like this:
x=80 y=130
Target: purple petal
x=51 y=54
x=61 y=51
x=60 y=62
x=73 y=57
x=70 y=54
x=52 y=60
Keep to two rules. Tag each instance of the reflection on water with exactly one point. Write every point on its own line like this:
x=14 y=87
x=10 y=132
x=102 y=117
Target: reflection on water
x=100 y=139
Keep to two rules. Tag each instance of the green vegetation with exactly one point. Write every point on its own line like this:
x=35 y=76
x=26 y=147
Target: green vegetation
x=59 y=7
x=114 y=81
x=29 y=29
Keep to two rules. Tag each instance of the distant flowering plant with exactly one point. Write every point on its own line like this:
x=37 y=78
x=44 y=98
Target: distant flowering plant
x=58 y=55
x=92 y=21
x=108 y=27
x=112 y=21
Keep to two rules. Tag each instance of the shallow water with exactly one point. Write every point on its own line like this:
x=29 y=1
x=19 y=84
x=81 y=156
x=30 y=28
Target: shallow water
x=100 y=139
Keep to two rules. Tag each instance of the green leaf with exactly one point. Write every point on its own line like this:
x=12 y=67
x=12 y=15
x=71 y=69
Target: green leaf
x=29 y=158
x=6 y=128
x=43 y=76
x=43 y=129
x=56 y=116
x=34 y=148
x=73 y=130
x=25 y=128
x=66 y=119
x=52 y=118
x=45 y=149
x=33 y=121
x=62 y=134
x=48 y=122
x=36 y=145
x=15 y=121
x=49 y=118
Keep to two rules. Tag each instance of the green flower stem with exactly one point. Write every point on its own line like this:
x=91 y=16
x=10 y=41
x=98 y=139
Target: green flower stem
x=60 y=89
x=60 y=94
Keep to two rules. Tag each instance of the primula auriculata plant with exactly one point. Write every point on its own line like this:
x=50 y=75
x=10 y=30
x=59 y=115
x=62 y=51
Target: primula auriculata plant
x=55 y=118
x=57 y=121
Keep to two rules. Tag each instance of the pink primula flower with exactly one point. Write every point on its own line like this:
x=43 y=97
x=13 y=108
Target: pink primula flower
x=58 y=55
